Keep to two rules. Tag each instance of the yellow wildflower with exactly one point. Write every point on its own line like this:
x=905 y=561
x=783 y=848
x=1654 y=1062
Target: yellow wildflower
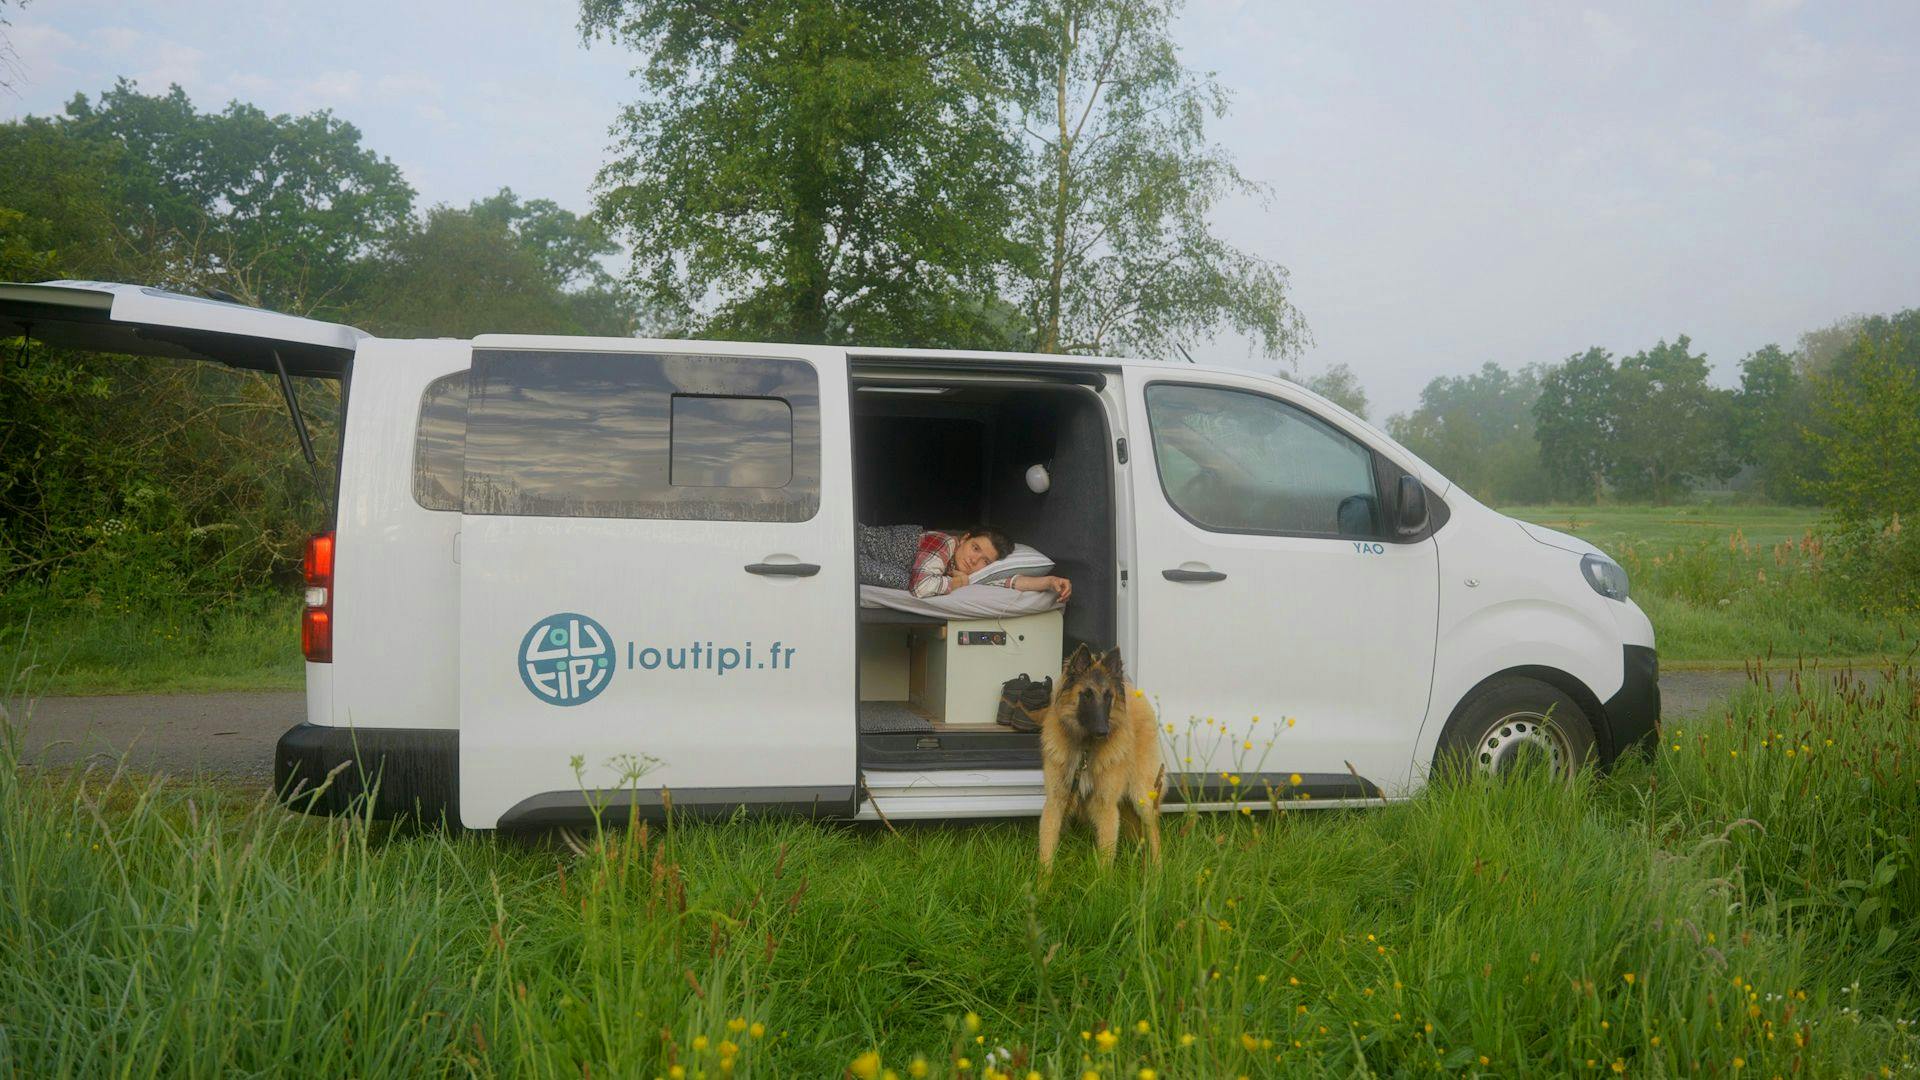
x=866 y=1066
x=1143 y=1027
x=1105 y=1040
x=757 y=1029
x=699 y=1042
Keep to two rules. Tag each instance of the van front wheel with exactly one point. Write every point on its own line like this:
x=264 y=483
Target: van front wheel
x=1516 y=723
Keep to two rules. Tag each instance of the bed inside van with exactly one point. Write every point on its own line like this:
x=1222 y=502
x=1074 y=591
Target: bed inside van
x=952 y=453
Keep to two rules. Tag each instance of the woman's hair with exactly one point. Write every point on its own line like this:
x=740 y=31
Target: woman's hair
x=1002 y=545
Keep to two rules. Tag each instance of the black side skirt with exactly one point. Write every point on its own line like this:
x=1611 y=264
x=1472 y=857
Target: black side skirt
x=556 y=808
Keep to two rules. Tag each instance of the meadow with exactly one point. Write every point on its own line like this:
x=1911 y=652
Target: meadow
x=1721 y=583
x=1726 y=583
x=1747 y=903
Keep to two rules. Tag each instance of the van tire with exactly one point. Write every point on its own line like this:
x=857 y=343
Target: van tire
x=1513 y=718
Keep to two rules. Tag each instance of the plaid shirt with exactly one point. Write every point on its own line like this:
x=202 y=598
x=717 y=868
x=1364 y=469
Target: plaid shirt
x=931 y=562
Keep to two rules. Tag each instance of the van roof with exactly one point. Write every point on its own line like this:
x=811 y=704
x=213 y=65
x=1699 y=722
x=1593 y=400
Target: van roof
x=857 y=354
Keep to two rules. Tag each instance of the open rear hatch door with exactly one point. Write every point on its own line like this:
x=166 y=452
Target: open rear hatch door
x=145 y=321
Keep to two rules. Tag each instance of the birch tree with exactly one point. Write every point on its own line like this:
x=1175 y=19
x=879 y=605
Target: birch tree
x=1123 y=185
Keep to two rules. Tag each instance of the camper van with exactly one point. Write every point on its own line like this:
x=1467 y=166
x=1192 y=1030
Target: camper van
x=569 y=573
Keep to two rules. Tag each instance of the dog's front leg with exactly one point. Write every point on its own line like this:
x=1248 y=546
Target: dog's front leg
x=1106 y=828
x=1050 y=819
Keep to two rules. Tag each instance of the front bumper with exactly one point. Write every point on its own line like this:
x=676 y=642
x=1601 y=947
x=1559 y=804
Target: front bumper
x=405 y=771
x=1633 y=714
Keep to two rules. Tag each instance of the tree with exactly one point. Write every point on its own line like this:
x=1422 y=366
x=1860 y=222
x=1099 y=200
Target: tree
x=9 y=60
x=1478 y=429
x=500 y=265
x=1668 y=424
x=58 y=201
x=276 y=210
x=1341 y=386
x=817 y=170
x=1769 y=417
x=1868 y=408
x=1573 y=423
x=1123 y=182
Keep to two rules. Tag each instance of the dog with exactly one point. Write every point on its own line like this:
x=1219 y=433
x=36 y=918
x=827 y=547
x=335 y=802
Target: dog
x=1100 y=751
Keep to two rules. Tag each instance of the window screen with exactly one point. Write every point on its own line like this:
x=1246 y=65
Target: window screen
x=642 y=435
x=439 y=450
x=731 y=442
x=1233 y=461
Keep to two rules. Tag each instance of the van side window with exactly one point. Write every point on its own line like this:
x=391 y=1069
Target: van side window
x=1234 y=461
x=439 y=450
x=642 y=435
x=731 y=442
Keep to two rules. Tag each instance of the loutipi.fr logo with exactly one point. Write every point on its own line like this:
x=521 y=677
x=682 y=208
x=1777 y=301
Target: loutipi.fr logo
x=566 y=659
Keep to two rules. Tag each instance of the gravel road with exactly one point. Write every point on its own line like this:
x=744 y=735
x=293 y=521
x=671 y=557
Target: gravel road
x=232 y=735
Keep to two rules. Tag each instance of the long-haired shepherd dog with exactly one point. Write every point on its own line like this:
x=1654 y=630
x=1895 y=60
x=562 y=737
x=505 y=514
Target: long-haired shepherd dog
x=1100 y=749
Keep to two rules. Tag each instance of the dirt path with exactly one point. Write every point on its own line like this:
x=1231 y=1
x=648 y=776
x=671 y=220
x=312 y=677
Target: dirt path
x=232 y=734
x=228 y=734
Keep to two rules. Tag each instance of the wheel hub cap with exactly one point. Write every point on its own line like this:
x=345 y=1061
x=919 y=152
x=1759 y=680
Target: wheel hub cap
x=1521 y=737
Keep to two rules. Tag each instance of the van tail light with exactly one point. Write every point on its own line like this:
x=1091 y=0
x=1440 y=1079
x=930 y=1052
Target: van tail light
x=316 y=619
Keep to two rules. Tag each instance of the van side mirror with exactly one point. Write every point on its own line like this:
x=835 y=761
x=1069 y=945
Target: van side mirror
x=1412 y=507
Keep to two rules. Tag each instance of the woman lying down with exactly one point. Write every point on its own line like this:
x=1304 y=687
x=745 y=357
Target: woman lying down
x=934 y=563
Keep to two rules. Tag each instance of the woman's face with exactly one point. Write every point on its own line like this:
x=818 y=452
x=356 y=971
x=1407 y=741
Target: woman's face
x=973 y=554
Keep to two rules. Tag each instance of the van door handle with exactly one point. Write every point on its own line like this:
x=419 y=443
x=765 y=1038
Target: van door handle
x=1193 y=575
x=784 y=569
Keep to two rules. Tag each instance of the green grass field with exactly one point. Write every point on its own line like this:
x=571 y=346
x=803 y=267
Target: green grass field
x=250 y=644
x=1748 y=904
x=1726 y=584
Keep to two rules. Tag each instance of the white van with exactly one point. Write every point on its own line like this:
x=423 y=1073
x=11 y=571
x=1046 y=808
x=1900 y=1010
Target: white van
x=553 y=557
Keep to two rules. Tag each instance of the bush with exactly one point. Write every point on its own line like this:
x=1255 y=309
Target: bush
x=1879 y=568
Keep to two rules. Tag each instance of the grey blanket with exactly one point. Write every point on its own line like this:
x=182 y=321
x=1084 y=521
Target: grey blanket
x=886 y=554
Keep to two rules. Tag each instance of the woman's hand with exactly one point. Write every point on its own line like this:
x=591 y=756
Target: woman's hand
x=1061 y=587
x=955 y=578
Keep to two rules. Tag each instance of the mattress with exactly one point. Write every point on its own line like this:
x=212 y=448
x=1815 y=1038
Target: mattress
x=965 y=602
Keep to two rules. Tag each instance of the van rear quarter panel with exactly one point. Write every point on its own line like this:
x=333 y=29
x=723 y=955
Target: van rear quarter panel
x=396 y=605
x=1529 y=606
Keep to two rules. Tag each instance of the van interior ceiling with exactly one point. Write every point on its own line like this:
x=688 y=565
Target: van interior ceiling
x=952 y=454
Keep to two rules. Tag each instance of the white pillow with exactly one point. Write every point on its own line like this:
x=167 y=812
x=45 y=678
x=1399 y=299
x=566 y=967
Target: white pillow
x=1021 y=560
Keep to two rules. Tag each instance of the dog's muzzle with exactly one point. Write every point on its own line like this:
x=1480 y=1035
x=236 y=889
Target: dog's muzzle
x=1093 y=716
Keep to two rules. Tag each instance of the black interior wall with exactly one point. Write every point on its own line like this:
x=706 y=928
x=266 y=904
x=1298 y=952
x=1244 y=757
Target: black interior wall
x=1073 y=521
x=918 y=469
x=963 y=461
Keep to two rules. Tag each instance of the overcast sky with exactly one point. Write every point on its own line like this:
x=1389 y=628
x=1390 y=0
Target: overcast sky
x=1451 y=183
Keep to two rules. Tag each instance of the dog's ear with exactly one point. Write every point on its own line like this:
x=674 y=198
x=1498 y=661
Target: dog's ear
x=1111 y=662
x=1079 y=662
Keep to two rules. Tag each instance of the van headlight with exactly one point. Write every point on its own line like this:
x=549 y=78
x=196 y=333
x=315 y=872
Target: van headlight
x=1605 y=576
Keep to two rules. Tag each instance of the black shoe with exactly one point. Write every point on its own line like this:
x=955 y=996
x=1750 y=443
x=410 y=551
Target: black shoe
x=1021 y=699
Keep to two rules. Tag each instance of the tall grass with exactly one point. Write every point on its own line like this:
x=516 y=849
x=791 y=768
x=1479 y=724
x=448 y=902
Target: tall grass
x=1729 y=909
x=251 y=642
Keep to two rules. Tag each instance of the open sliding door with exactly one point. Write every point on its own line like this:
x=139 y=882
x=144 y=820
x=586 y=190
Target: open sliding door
x=656 y=581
